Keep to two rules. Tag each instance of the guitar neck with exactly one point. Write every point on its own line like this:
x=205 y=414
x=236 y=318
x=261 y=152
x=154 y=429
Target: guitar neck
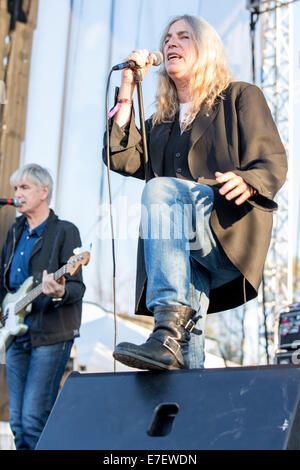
x=37 y=291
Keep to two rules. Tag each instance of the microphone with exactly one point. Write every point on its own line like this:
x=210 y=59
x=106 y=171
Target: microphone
x=15 y=201
x=156 y=56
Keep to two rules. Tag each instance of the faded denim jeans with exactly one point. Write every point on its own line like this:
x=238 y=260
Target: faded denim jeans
x=182 y=255
x=33 y=377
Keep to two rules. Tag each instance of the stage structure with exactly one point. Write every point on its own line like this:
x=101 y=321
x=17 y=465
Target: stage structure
x=276 y=82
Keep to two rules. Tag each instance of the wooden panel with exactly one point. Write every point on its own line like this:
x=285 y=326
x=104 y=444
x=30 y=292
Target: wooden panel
x=4 y=414
x=15 y=54
x=4 y=28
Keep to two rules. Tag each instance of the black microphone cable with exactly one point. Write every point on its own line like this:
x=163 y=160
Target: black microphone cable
x=111 y=212
x=157 y=60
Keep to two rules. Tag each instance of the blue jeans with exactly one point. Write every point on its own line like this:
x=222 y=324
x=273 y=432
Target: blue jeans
x=33 y=377
x=183 y=258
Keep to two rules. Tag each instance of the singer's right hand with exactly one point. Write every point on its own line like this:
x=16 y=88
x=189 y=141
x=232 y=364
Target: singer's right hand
x=143 y=59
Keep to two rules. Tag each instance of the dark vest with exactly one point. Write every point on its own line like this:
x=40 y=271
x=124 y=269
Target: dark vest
x=176 y=153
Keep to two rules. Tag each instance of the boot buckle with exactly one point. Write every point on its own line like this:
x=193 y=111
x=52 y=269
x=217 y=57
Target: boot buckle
x=169 y=343
x=191 y=327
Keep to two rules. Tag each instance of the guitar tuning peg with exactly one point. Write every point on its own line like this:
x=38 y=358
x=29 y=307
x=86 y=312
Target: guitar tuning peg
x=79 y=250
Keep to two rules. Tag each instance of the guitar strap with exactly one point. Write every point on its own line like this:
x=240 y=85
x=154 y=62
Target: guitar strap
x=45 y=252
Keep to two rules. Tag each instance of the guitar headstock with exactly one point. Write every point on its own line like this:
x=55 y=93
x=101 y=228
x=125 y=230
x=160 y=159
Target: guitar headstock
x=76 y=261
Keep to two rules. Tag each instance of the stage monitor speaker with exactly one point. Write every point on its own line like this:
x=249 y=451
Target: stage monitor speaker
x=288 y=357
x=289 y=328
x=233 y=409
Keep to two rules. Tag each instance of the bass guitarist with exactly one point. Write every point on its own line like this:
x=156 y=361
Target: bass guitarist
x=37 y=245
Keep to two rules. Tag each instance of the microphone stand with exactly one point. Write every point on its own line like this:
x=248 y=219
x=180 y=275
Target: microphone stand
x=138 y=75
x=138 y=78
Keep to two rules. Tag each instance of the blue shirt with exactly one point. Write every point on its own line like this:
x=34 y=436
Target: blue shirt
x=19 y=266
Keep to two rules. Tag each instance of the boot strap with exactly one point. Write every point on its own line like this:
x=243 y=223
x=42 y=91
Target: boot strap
x=191 y=327
x=172 y=345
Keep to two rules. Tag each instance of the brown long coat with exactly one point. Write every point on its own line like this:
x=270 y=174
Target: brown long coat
x=238 y=135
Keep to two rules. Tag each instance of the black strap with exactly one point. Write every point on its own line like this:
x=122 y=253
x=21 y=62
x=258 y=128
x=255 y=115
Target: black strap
x=190 y=326
x=47 y=241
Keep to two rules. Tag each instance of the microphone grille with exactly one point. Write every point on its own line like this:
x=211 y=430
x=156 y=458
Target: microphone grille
x=17 y=202
x=157 y=57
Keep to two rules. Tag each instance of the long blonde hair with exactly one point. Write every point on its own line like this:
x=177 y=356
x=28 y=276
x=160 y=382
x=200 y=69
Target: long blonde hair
x=211 y=75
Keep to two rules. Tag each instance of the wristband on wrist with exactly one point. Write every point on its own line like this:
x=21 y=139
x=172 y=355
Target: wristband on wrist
x=118 y=105
x=124 y=100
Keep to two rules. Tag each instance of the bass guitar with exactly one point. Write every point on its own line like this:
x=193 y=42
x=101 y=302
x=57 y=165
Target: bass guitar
x=16 y=306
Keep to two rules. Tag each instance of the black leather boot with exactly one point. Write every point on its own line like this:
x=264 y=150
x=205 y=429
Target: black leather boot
x=167 y=346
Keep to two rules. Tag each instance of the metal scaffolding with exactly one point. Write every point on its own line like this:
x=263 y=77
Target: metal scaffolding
x=276 y=81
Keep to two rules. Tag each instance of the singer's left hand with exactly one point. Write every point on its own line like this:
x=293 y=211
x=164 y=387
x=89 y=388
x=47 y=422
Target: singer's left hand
x=234 y=187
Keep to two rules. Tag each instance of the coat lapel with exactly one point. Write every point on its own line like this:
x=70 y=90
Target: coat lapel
x=202 y=121
x=49 y=231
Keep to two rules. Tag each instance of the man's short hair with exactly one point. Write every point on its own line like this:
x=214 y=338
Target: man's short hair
x=37 y=174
